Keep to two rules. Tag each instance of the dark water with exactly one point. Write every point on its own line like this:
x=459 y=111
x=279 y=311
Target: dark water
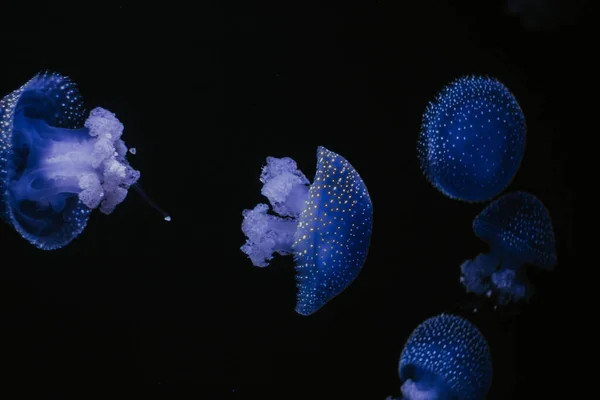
x=205 y=95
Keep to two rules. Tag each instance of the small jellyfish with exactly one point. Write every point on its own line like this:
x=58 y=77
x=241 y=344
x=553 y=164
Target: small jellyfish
x=326 y=226
x=472 y=139
x=518 y=230
x=445 y=357
x=56 y=168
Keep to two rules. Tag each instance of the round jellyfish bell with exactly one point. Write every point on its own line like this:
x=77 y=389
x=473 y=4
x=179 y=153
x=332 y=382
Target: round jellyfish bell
x=472 y=139
x=55 y=168
x=326 y=225
x=518 y=230
x=446 y=357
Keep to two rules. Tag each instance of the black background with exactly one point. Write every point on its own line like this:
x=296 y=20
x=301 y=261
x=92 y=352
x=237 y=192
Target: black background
x=206 y=93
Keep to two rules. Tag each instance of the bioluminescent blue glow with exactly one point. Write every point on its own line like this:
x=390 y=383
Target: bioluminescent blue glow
x=445 y=357
x=326 y=225
x=55 y=168
x=518 y=229
x=472 y=139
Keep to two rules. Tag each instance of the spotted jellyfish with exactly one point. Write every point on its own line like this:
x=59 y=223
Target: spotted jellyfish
x=518 y=229
x=472 y=139
x=56 y=168
x=326 y=225
x=445 y=358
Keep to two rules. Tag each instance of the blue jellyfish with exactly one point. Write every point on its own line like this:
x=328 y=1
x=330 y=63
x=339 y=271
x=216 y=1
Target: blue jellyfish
x=472 y=139
x=326 y=226
x=56 y=168
x=445 y=357
x=518 y=230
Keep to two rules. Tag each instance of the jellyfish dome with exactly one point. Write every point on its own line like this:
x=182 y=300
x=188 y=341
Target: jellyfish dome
x=518 y=229
x=55 y=168
x=445 y=357
x=472 y=139
x=325 y=225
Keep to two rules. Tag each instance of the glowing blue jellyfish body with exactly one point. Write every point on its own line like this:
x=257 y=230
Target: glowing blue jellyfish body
x=445 y=357
x=518 y=230
x=326 y=226
x=53 y=170
x=472 y=139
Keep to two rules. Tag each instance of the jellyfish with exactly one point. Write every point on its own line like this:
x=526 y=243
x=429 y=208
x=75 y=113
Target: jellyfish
x=56 y=168
x=446 y=357
x=472 y=139
x=518 y=230
x=325 y=225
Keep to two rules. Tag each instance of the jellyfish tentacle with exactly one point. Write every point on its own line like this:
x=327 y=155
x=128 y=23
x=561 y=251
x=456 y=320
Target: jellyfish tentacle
x=142 y=193
x=475 y=274
x=267 y=234
x=286 y=188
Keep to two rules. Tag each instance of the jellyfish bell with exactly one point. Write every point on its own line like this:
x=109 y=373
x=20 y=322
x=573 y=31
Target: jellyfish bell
x=472 y=139
x=446 y=357
x=55 y=168
x=325 y=225
x=518 y=229
x=519 y=226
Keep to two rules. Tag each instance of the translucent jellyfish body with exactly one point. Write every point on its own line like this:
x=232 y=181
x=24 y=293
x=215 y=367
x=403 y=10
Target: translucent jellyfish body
x=326 y=225
x=55 y=168
x=445 y=357
x=518 y=230
x=472 y=139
